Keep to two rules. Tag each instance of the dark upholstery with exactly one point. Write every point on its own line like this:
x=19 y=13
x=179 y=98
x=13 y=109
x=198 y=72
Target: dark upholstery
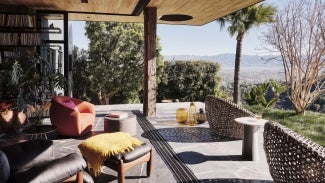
x=131 y=155
x=292 y=157
x=28 y=154
x=136 y=153
x=221 y=113
x=32 y=161
x=4 y=167
x=122 y=162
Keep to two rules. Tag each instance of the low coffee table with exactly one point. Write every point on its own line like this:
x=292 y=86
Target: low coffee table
x=128 y=124
x=39 y=132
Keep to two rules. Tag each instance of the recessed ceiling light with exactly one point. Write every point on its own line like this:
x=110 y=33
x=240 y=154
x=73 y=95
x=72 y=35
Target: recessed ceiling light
x=176 y=17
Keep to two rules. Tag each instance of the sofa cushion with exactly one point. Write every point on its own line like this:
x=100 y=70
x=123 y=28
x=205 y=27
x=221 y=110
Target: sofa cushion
x=27 y=154
x=132 y=155
x=56 y=170
x=5 y=169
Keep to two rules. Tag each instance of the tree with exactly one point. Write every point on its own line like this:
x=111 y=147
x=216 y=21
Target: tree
x=189 y=80
x=80 y=73
x=298 y=33
x=116 y=52
x=240 y=22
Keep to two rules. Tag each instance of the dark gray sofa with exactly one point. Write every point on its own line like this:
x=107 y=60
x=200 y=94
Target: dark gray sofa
x=33 y=161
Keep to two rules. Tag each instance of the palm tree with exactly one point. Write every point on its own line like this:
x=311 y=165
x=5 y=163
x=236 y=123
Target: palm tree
x=239 y=23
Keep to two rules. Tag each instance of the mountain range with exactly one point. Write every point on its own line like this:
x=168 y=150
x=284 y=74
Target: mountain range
x=228 y=60
x=254 y=68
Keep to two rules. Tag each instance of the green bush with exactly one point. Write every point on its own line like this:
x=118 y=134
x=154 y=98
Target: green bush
x=189 y=80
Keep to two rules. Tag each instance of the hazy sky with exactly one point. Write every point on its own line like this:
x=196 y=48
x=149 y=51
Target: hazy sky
x=194 y=40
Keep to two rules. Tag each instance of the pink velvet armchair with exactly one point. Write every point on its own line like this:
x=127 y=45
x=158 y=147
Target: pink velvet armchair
x=72 y=117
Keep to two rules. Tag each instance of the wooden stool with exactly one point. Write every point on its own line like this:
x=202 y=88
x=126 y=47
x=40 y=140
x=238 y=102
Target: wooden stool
x=123 y=162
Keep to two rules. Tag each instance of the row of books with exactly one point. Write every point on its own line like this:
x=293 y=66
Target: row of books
x=16 y=20
x=22 y=38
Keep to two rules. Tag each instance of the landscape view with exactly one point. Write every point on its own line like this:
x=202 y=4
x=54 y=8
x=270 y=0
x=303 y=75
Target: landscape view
x=254 y=68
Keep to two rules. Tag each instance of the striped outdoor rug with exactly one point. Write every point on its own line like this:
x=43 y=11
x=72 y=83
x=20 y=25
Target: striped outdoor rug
x=180 y=171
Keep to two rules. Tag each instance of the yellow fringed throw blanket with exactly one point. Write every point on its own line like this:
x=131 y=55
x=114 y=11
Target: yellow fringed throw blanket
x=98 y=148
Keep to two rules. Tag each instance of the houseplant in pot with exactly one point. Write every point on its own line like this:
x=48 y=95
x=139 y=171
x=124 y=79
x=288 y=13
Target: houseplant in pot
x=25 y=79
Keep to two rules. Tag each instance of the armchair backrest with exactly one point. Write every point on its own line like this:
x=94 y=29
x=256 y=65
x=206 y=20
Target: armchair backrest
x=221 y=113
x=73 y=104
x=292 y=157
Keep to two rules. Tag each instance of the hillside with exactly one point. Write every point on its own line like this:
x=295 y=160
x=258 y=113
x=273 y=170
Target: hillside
x=254 y=68
x=228 y=60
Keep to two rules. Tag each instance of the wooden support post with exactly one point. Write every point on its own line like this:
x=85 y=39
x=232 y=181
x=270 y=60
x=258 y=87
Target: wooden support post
x=150 y=85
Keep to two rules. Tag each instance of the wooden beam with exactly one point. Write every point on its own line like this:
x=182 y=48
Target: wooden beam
x=140 y=7
x=150 y=85
x=67 y=65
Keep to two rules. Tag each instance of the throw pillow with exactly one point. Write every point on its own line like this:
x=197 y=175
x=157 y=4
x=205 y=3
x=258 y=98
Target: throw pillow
x=70 y=104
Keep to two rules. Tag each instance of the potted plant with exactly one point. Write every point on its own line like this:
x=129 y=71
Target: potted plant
x=25 y=79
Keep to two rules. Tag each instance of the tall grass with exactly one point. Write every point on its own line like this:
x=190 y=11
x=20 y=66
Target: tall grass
x=310 y=125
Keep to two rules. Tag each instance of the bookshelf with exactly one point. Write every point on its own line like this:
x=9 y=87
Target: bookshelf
x=20 y=30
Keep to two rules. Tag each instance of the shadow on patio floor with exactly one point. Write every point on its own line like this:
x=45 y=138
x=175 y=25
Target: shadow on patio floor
x=191 y=157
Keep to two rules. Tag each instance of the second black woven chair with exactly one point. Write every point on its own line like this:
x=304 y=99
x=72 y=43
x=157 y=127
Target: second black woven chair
x=292 y=157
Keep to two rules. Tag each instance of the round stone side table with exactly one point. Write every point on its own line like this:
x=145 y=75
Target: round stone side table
x=250 y=141
x=128 y=124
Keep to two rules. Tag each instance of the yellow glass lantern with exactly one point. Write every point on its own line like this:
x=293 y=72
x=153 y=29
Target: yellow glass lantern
x=181 y=115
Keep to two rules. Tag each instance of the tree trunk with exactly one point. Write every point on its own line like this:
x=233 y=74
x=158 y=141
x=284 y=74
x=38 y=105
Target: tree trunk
x=236 y=94
x=300 y=111
x=103 y=98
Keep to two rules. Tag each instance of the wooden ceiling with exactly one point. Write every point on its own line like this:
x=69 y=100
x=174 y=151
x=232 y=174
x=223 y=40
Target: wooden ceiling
x=202 y=11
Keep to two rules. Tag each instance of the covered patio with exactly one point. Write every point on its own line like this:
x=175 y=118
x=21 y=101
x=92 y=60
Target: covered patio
x=182 y=153
x=148 y=12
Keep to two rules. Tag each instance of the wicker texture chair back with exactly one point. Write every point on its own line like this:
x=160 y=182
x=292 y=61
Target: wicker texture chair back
x=221 y=113
x=292 y=157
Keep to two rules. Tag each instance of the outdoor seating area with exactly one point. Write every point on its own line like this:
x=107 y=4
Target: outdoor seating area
x=178 y=152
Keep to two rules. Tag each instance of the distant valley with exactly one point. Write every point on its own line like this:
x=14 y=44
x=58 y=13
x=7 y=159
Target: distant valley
x=254 y=68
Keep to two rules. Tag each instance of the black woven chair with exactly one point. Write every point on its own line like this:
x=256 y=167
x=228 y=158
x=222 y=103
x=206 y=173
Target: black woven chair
x=292 y=157
x=221 y=113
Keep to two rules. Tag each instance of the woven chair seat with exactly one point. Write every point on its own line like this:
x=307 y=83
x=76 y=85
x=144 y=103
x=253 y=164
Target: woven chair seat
x=292 y=157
